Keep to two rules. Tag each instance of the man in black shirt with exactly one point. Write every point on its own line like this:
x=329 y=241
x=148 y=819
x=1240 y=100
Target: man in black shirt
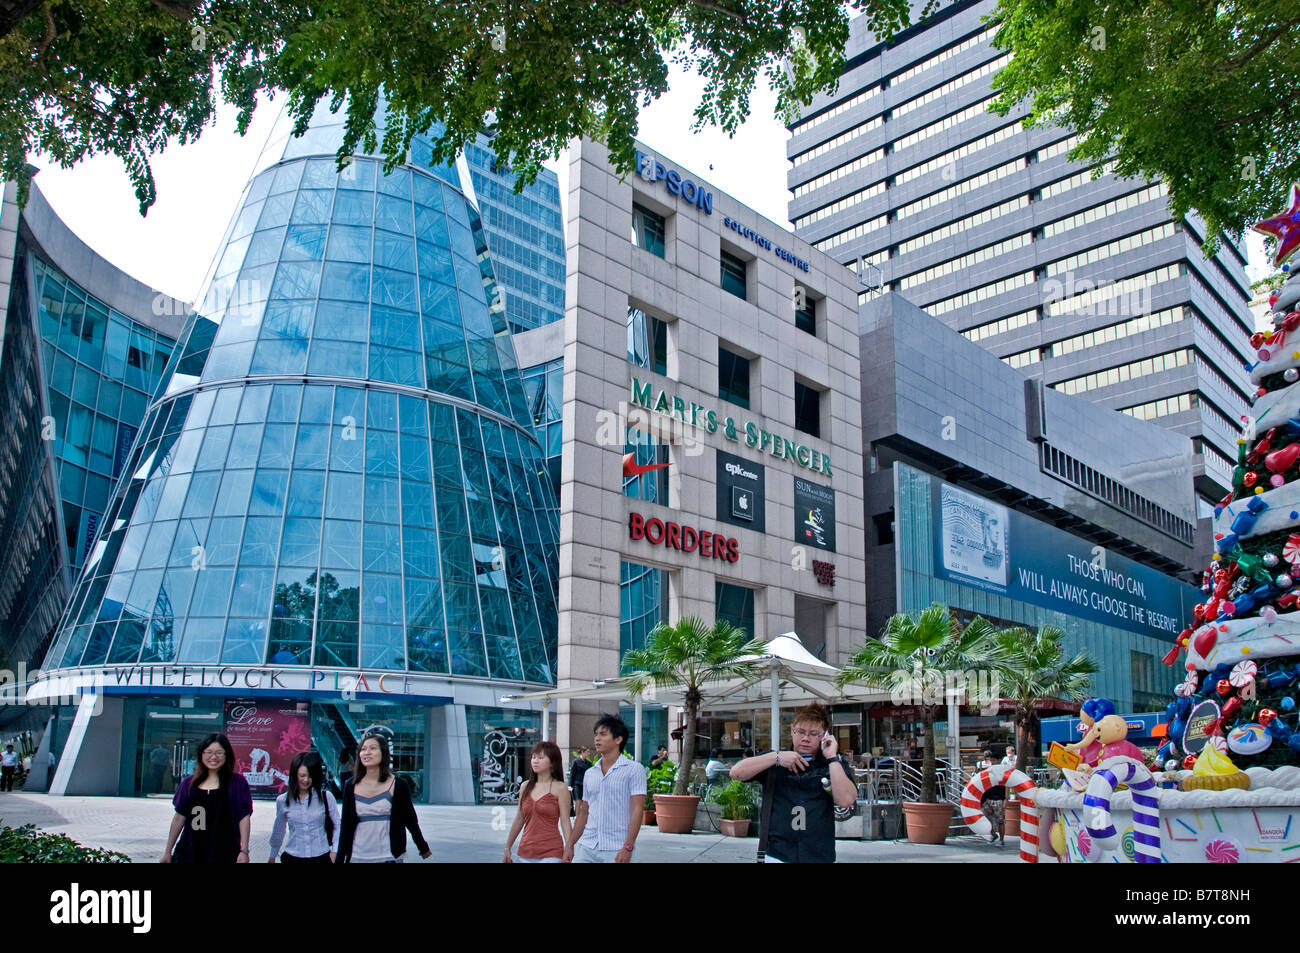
x=577 y=769
x=805 y=786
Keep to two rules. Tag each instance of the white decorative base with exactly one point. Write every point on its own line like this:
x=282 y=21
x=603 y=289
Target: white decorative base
x=1282 y=502
x=1249 y=638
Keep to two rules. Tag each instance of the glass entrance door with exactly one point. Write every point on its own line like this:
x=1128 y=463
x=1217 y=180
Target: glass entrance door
x=169 y=738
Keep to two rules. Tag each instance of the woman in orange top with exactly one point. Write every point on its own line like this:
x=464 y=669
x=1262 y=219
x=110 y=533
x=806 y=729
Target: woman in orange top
x=543 y=804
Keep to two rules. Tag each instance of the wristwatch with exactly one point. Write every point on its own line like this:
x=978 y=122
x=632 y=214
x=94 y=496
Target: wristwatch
x=628 y=847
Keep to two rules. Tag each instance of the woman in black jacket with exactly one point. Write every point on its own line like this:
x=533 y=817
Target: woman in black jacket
x=377 y=810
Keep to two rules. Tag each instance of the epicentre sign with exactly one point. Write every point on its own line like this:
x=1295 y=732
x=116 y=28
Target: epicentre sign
x=754 y=436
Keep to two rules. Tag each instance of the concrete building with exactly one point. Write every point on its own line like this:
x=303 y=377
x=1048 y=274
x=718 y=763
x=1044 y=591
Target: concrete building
x=995 y=495
x=1085 y=284
x=711 y=457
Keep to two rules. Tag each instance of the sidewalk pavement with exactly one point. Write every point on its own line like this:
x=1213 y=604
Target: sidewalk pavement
x=137 y=826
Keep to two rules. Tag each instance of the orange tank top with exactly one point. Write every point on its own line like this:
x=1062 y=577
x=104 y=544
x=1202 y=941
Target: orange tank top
x=541 y=827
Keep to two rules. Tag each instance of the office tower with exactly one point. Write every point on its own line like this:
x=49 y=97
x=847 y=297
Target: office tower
x=904 y=175
x=84 y=347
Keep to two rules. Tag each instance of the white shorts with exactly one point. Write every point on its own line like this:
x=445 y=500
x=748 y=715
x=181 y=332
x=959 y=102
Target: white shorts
x=585 y=855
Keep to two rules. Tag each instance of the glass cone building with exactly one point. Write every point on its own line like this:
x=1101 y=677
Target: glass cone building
x=336 y=511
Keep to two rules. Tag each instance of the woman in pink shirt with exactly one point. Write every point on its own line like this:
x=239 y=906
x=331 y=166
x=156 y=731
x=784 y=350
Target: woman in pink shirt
x=543 y=810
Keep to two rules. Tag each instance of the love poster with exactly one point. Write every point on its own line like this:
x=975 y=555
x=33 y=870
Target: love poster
x=266 y=736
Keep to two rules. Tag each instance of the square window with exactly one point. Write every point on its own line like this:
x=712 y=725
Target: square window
x=648 y=230
x=733 y=275
x=733 y=377
x=807 y=409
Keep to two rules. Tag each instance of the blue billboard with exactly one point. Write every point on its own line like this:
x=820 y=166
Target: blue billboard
x=984 y=544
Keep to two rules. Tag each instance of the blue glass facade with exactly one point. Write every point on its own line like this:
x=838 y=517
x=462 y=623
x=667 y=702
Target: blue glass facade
x=97 y=367
x=339 y=470
x=525 y=234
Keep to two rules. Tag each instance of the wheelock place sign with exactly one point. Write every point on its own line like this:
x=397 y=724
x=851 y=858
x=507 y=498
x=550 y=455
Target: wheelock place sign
x=698 y=415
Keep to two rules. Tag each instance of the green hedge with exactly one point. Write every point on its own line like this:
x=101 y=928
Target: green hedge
x=27 y=845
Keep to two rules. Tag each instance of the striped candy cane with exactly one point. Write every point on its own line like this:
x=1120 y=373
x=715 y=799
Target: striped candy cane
x=1024 y=789
x=1146 y=808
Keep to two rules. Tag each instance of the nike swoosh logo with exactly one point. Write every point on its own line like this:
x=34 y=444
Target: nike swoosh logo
x=633 y=469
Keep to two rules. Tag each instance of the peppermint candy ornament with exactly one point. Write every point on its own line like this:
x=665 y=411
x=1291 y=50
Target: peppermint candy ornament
x=1243 y=674
x=1291 y=550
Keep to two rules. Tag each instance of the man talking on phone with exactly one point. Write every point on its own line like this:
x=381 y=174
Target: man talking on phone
x=801 y=790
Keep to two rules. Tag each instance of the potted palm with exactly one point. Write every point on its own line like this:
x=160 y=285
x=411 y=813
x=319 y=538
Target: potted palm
x=687 y=656
x=657 y=781
x=737 y=801
x=1034 y=668
x=913 y=659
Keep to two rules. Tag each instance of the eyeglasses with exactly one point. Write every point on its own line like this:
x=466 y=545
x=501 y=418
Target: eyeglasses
x=812 y=733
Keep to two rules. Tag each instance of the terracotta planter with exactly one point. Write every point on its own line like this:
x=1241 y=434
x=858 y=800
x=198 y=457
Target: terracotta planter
x=927 y=823
x=675 y=813
x=734 y=828
x=647 y=818
x=1012 y=815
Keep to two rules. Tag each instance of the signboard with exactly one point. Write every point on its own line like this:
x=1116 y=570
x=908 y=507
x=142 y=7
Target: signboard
x=699 y=415
x=91 y=521
x=814 y=515
x=125 y=439
x=684 y=539
x=983 y=544
x=652 y=170
x=1195 y=738
x=1058 y=755
x=266 y=736
x=740 y=492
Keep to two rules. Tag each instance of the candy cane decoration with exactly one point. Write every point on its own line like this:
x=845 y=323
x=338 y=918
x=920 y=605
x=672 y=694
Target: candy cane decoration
x=1022 y=786
x=1146 y=808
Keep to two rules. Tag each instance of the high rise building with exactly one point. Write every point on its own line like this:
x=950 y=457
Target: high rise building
x=525 y=235
x=84 y=348
x=905 y=176
x=336 y=511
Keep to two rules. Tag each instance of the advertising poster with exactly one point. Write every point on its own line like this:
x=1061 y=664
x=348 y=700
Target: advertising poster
x=983 y=544
x=814 y=515
x=740 y=486
x=266 y=737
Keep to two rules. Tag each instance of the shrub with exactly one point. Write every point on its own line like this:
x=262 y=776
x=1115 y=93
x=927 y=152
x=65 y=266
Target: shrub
x=27 y=845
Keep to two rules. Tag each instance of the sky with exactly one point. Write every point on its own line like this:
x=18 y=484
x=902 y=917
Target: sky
x=199 y=184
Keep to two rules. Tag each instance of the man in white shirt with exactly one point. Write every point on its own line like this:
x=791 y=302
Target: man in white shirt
x=8 y=765
x=613 y=801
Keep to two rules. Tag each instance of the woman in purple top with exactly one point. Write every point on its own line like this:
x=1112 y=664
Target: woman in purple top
x=214 y=810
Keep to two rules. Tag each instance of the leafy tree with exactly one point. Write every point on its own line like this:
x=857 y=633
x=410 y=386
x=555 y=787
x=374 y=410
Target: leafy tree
x=1197 y=94
x=125 y=77
x=689 y=656
x=1035 y=667
x=915 y=658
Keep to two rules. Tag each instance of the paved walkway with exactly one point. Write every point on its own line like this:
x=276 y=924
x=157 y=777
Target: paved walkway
x=138 y=828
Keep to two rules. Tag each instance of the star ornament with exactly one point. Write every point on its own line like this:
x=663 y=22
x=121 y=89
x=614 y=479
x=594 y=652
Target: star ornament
x=1285 y=228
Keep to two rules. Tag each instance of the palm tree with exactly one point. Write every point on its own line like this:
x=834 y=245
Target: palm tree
x=915 y=659
x=690 y=655
x=1035 y=668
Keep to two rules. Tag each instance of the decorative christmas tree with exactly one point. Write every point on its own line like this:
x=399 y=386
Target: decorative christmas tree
x=1243 y=656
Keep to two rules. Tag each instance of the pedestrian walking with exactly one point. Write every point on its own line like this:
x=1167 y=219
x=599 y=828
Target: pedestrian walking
x=8 y=767
x=543 y=801
x=214 y=810
x=581 y=762
x=613 y=801
x=310 y=814
x=377 y=809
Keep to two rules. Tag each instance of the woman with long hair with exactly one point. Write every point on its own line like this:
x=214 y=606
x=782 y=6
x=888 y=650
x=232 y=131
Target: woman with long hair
x=310 y=813
x=543 y=801
x=377 y=809
x=214 y=810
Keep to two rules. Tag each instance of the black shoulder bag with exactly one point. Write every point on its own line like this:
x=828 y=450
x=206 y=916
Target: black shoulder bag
x=769 y=788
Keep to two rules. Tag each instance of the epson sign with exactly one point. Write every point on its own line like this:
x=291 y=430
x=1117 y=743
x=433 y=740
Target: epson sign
x=652 y=170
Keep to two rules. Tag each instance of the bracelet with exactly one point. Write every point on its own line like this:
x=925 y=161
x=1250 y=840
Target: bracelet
x=243 y=851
